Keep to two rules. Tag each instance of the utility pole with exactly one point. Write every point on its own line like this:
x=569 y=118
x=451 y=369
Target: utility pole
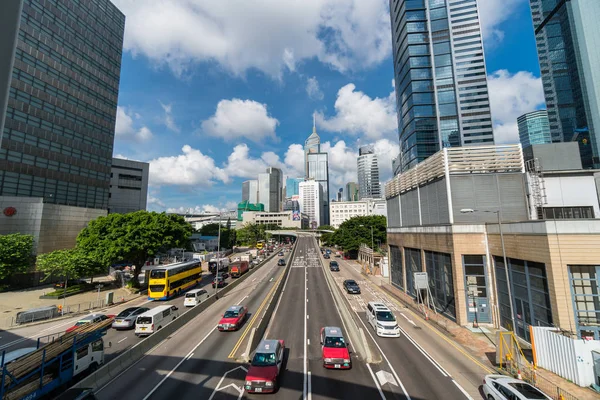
x=218 y=259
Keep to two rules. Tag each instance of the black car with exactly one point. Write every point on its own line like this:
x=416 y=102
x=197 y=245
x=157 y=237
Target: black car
x=326 y=255
x=334 y=266
x=281 y=262
x=351 y=286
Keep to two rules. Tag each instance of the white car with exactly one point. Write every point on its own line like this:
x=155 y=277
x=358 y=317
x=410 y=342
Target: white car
x=502 y=387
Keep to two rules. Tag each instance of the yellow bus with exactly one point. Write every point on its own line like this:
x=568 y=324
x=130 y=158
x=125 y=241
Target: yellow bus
x=170 y=280
x=260 y=244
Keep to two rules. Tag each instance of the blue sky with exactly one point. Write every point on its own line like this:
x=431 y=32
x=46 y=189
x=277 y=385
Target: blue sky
x=214 y=92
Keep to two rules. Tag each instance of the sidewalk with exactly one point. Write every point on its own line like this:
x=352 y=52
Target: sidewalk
x=479 y=345
x=14 y=302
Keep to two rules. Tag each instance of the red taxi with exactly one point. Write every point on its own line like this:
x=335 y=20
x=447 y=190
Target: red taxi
x=233 y=318
x=263 y=374
x=334 y=349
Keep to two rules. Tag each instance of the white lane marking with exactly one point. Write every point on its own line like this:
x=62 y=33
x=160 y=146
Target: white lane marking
x=189 y=356
x=254 y=279
x=462 y=390
x=308 y=341
x=409 y=320
x=307 y=316
x=425 y=354
x=178 y=364
x=385 y=377
x=376 y=382
x=271 y=280
x=122 y=340
x=240 y=390
x=305 y=385
x=309 y=386
x=242 y=299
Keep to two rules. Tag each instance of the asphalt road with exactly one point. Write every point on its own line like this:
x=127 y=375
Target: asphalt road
x=194 y=361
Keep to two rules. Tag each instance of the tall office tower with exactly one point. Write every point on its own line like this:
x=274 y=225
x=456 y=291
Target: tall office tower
x=440 y=76
x=311 y=202
x=567 y=35
x=340 y=194
x=351 y=191
x=128 y=186
x=270 y=189
x=291 y=187
x=534 y=128
x=317 y=168
x=368 y=173
x=250 y=191
x=57 y=144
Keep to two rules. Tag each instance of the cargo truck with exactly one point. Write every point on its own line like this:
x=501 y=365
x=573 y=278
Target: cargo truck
x=223 y=264
x=54 y=364
x=238 y=269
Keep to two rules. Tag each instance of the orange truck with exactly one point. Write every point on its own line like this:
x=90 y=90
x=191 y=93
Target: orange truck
x=238 y=268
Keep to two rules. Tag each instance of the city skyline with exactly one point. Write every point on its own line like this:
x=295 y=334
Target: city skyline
x=191 y=148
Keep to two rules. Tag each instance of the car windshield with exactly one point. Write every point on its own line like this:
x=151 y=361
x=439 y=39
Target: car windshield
x=385 y=316
x=351 y=283
x=264 y=360
x=337 y=342
x=126 y=313
x=231 y=314
x=528 y=391
x=157 y=274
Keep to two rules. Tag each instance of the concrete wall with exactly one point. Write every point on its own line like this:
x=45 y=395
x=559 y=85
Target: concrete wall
x=53 y=226
x=128 y=195
x=572 y=190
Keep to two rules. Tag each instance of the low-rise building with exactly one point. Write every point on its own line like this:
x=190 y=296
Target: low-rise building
x=285 y=219
x=200 y=220
x=450 y=215
x=204 y=243
x=342 y=211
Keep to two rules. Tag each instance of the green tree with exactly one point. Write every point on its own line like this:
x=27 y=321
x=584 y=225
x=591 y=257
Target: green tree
x=68 y=264
x=356 y=231
x=133 y=237
x=210 y=230
x=326 y=237
x=16 y=254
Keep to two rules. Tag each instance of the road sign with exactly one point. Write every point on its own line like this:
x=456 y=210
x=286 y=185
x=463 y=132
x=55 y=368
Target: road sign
x=421 y=281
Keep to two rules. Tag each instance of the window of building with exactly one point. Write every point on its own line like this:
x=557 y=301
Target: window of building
x=439 y=272
x=585 y=291
x=478 y=307
x=577 y=212
x=413 y=264
x=397 y=273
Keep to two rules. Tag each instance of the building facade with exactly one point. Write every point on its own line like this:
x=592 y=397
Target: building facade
x=440 y=77
x=566 y=34
x=368 y=173
x=291 y=187
x=60 y=117
x=317 y=168
x=352 y=193
x=284 y=219
x=342 y=211
x=311 y=202
x=270 y=189
x=250 y=191
x=534 y=128
x=128 y=186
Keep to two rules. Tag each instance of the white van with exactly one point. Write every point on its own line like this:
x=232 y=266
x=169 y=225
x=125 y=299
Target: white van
x=154 y=319
x=382 y=320
x=195 y=297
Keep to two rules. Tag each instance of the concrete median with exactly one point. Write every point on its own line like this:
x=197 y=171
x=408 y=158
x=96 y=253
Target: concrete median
x=128 y=358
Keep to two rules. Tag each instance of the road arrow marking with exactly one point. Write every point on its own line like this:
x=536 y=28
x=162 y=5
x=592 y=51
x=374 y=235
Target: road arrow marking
x=219 y=388
x=385 y=377
x=408 y=319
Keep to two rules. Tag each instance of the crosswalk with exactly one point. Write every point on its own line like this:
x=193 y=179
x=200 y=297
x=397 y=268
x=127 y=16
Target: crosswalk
x=359 y=303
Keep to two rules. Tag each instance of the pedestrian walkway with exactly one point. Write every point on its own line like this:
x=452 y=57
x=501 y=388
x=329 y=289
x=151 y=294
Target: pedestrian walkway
x=480 y=345
x=14 y=302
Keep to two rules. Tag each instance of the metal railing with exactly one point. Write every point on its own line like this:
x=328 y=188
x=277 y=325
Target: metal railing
x=69 y=310
x=551 y=389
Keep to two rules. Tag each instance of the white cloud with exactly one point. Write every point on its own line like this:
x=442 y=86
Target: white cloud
x=126 y=129
x=155 y=201
x=294 y=161
x=269 y=35
x=494 y=12
x=168 y=119
x=205 y=208
x=512 y=95
x=192 y=168
x=240 y=164
x=235 y=119
x=342 y=164
x=386 y=151
x=313 y=90
x=359 y=114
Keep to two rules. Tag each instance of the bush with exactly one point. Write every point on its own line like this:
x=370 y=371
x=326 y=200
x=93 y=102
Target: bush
x=70 y=290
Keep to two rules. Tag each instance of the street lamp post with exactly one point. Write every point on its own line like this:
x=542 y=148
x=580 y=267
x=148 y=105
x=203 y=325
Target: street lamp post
x=510 y=299
x=218 y=260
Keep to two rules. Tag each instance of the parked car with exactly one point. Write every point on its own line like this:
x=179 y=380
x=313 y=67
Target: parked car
x=351 y=286
x=233 y=318
x=263 y=374
x=92 y=318
x=501 y=387
x=281 y=262
x=334 y=266
x=126 y=318
x=334 y=349
x=70 y=282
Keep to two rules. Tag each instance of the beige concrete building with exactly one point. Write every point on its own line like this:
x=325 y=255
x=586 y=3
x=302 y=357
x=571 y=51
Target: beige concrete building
x=284 y=219
x=553 y=265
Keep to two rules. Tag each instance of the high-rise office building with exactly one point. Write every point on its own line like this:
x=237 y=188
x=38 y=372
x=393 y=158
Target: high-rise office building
x=352 y=191
x=567 y=34
x=250 y=191
x=128 y=186
x=57 y=144
x=311 y=202
x=317 y=168
x=368 y=173
x=291 y=187
x=534 y=128
x=440 y=77
x=270 y=189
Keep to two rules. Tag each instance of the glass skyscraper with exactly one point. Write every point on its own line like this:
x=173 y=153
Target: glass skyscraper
x=534 y=128
x=270 y=189
x=317 y=168
x=292 y=186
x=567 y=35
x=440 y=77
x=60 y=117
x=368 y=174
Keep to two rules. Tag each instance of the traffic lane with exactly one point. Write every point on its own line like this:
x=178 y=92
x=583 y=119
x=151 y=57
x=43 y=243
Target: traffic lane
x=142 y=377
x=326 y=383
x=200 y=374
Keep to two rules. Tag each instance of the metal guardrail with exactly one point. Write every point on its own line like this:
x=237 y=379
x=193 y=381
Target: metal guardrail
x=70 y=310
x=552 y=389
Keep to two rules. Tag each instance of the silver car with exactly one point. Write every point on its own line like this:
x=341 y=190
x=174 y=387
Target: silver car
x=502 y=387
x=126 y=318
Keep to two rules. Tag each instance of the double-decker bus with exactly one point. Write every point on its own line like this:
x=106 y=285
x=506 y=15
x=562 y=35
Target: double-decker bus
x=260 y=244
x=170 y=280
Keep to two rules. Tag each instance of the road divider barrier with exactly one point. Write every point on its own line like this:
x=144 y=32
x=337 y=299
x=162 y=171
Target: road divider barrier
x=111 y=370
